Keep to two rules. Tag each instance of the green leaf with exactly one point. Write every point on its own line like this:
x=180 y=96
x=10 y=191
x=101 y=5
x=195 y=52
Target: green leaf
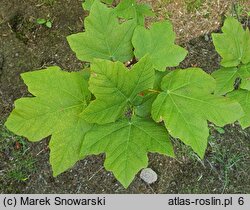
x=129 y=9
x=65 y=145
x=59 y=99
x=87 y=4
x=158 y=42
x=104 y=37
x=108 y=1
x=245 y=83
x=245 y=77
x=243 y=97
x=143 y=108
x=126 y=144
x=186 y=105
x=219 y=130
x=49 y=24
x=159 y=75
x=41 y=21
x=234 y=44
x=115 y=87
x=226 y=78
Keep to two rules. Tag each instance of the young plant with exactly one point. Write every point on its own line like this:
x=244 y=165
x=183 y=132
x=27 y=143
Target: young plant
x=88 y=3
x=45 y=22
x=233 y=78
x=121 y=106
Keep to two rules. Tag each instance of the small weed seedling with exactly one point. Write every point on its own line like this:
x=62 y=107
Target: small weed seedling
x=45 y=22
x=193 y=5
x=126 y=104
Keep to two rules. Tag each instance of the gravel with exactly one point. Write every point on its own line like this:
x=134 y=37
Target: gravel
x=148 y=176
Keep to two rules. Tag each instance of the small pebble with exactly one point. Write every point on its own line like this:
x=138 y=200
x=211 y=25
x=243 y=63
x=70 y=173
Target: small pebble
x=148 y=175
x=207 y=38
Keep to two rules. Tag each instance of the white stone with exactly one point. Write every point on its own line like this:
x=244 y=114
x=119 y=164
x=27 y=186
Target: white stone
x=148 y=175
x=206 y=38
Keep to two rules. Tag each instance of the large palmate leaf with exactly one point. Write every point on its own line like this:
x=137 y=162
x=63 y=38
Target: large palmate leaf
x=65 y=145
x=234 y=44
x=87 y=4
x=245 y=77
x=226 y=78
x=243 y=97
x=59 y=99
x=130 y=9
x=143 y=109
x=187 y=104
x=115 y=87
x=104 y=36
x=158 y=42
x=245 y=83
x=126 y=144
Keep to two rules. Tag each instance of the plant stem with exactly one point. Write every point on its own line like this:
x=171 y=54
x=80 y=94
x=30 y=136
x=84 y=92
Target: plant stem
x=153 y=91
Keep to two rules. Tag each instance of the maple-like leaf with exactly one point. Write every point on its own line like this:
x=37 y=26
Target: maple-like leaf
x=126 y=144
x=158 y=42
x=233 y=44
x=104 y=36
x=144 y=106
x=227 y=77
x=187 y=103
x=245 y=83
x=129 y=9
x=115 y=87
x=59 y=99
x=243 y=97
x=87 y=4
